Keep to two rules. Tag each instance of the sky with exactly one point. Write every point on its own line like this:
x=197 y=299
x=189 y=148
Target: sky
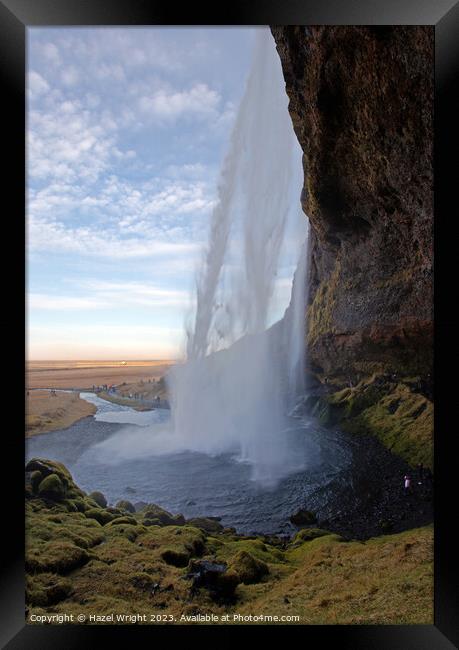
x=126 y=132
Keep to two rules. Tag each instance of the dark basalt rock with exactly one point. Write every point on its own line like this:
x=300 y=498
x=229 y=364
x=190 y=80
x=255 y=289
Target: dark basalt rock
x=361 y=102
x=214 y=576
x=303 y=518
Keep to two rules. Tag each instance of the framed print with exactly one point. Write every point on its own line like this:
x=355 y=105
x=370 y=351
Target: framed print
x=236 y=398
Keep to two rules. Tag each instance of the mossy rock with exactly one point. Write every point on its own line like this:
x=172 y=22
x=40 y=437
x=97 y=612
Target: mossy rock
x=78 y=505
x=124 y=519
x=36 y=478
x=127 y=530
x=51 y=487
x=154 y=521
x=125 y=505
x=99 y=498
x=56 y=557
x=47 y=467
x=206 y=524
x=153 y=512
x=100 y=515
x=307 y=534
x=248 y=568
x=174 y=557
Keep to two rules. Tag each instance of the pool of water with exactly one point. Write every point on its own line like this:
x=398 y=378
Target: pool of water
x=190 y=482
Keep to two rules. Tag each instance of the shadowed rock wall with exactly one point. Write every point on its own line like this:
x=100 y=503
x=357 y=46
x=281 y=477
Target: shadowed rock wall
x=361 y=102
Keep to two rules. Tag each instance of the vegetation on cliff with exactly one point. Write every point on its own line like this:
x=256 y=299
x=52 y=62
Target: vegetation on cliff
x=393 y=410
x=361 y=103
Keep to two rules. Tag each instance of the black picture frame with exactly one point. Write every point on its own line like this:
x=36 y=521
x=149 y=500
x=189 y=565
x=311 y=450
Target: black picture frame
x=15 y=17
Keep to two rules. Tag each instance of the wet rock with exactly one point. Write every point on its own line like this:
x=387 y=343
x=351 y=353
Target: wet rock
x=207 y=524
x=214 y=576
x=130 y=490
x=361 y=102
x=303 y=518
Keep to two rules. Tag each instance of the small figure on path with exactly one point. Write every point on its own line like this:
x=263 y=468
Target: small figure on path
x=407 y=480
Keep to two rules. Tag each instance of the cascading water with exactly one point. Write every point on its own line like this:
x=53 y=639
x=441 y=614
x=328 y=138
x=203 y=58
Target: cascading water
x=242 y=372
x=234 y=399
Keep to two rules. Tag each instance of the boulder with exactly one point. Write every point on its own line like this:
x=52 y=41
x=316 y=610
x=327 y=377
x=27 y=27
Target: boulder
x=100 y=515
x=303 y=518
x=214 y=576
x=125 y=505
x=248 y=568
x=99 y=498
x=207 y=524
x=51 y=488
x=154 y=514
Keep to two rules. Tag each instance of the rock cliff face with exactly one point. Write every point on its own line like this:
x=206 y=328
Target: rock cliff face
x=361 y=102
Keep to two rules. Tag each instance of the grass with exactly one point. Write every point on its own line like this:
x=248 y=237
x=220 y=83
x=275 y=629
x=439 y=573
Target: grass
x=401 y=418
x=78 y=565
x=48 y=413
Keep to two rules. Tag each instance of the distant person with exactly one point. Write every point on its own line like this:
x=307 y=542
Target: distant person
x=407 y=483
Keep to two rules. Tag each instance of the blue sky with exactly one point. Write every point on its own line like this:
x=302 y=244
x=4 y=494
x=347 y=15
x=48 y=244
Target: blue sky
x=127 y=129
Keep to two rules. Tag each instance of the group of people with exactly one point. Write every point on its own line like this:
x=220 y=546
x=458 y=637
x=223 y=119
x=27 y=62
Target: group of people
x=424 y=478
x=108 y=388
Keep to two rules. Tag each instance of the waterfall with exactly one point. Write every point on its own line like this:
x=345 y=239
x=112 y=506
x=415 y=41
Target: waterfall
x=230 y=394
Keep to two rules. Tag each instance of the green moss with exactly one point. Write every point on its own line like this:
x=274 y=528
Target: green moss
x=128 y=568
x=208 y=525
x=46 y=589
x=36 y=478
x=320 y=312
x=125 y=505
x=179 y=558
x=248 y=568
x=153 y=514
x=401 y=418
x=127 y=529
x=55 y=557
x=52 y=488
x=100 y=515
x=307 y=534
x=255 y=547
x=99 y=498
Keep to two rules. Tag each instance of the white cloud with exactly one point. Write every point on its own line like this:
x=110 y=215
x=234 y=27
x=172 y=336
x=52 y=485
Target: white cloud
x=70 y=76
x=109 y=295
x=48 y=235
x=50 y=53
x=36 y=84
x=40 y=301
x=169 y=105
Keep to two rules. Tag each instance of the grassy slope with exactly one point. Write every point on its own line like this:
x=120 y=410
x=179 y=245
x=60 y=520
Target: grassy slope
x=46 y=413
x=75 y=564
x=391 y=410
